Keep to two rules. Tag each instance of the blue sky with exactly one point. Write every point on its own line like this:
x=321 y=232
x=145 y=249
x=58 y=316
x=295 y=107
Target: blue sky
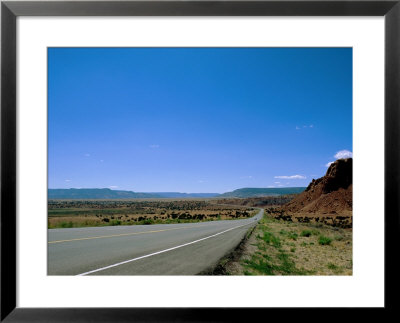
x=196 y=119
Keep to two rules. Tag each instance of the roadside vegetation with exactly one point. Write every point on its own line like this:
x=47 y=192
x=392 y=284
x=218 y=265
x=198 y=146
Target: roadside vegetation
x=279 y=247
x=73 y=213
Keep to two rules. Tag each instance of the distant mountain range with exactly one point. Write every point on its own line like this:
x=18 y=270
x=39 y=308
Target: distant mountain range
x=106 y=193
x=256 y=192
x=94 y=193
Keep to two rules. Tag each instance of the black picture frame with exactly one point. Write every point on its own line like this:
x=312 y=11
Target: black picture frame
x=10 y=10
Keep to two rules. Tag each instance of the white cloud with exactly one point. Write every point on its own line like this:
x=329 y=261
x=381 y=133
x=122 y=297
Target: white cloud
x=154 y=146
x=67 y=180
x=291 y=177
x=113 y=186
x=304 y=126
x=246 y=177
x=271 y=186
x=277 y=182
x=201 y=181
x=343 y=154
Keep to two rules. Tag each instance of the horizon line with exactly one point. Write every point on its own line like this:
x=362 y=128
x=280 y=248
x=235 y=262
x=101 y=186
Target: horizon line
x=181 y=192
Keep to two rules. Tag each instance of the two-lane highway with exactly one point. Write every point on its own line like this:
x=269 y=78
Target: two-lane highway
x=163 y=249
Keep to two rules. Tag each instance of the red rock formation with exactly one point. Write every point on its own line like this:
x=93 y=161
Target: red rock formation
x=330 y=194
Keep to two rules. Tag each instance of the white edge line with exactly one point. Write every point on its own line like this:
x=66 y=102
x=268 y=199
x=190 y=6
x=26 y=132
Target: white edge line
x=158 y=252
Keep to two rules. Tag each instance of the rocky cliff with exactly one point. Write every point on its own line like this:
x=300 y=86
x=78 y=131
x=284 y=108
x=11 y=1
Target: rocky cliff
x=330 y=194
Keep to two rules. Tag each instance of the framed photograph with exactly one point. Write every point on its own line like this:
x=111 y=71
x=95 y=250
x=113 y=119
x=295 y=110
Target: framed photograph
x=190 y=160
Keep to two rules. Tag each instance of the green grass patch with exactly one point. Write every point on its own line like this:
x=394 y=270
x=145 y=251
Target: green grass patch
x=270 y=239
x=306 y=233
x=115 y=222
x=281 y=264
x=66 y=224
x=324 y=241
x=335 y=268
x=260 y=266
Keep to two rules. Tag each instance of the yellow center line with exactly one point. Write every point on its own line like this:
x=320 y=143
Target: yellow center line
x=119 y=235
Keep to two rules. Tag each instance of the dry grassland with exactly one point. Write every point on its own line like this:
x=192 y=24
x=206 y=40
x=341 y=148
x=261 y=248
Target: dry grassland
x=278 y=247
x=69 y=214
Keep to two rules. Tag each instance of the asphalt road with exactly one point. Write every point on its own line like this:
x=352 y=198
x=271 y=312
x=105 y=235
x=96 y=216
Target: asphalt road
x=162 y=249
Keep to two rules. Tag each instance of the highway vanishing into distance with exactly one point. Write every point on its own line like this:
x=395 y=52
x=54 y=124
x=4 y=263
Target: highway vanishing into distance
x=161 y=249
